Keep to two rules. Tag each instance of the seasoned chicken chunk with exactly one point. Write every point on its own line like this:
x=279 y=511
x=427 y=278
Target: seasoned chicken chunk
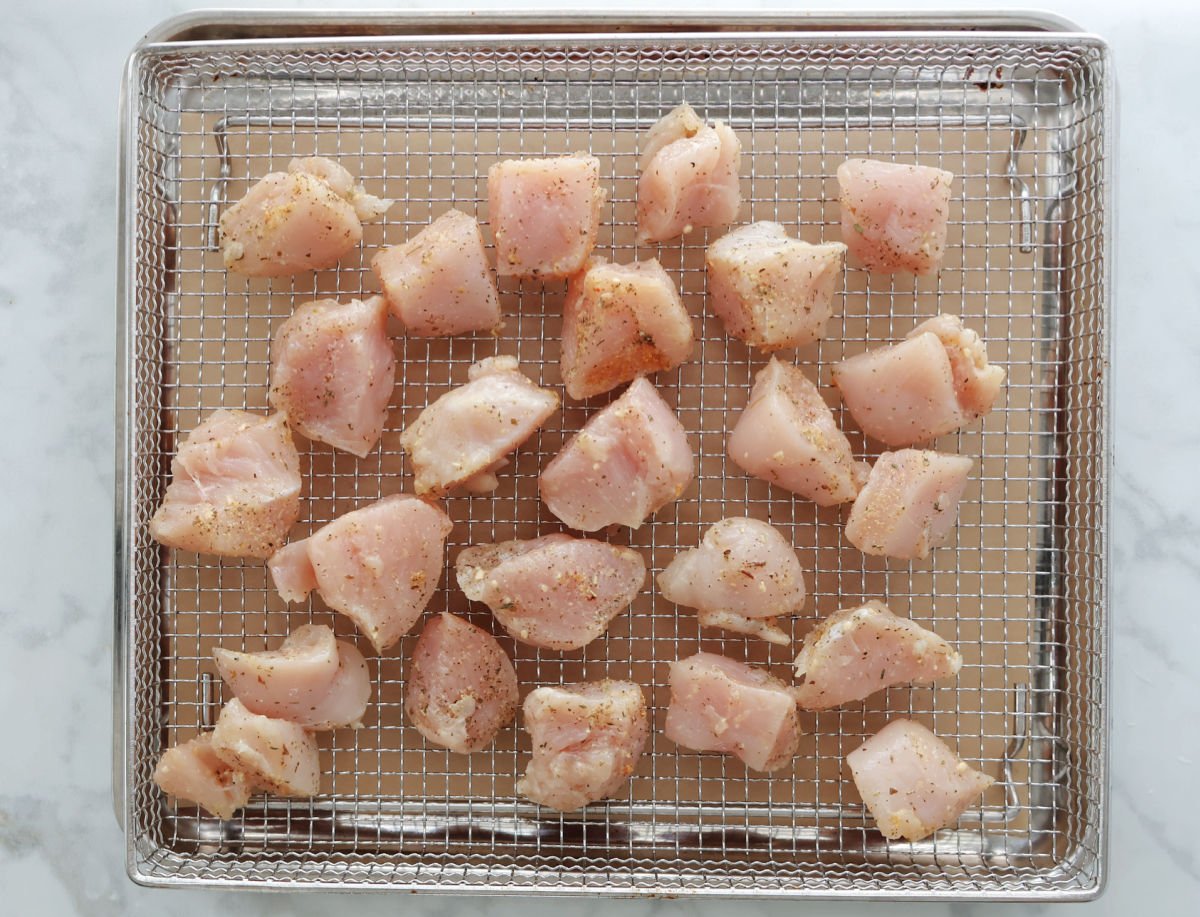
x=379 y=565
x=909 y=504
x=719 y=704
x=461 y=688
x=462 y=438
x=857 y=651
x=556 y=592
x=621 y=321
x=742 y=576
x=304 y=219
x=333 y=370
x=313 y=679
x=545 y=214
x=439 y=281
x=787 y=436
x=193 y=773
x=770 y=290
x=911 y=782
x=976 y=382
x=279 y=756
x=934 y=381
x=341 y=182
x=689 y=176
x=235 y=487
x=630 y=459
x=587 y=739
x=894 y=216
x=292 y=571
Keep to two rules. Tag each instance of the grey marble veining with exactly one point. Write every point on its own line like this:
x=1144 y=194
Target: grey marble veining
x=60 y=849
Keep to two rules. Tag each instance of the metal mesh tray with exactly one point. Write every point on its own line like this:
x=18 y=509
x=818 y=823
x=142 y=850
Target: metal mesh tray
x=419 y=108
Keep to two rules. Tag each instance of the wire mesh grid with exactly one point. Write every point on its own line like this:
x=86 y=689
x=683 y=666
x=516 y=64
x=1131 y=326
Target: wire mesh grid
x=1019 y=589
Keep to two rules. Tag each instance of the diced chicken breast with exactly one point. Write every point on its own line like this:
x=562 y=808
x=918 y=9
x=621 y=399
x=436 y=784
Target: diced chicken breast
x=770 y=290
x=976 y=382
x=621 y=321
x=719 y=704
x=235 y=487
x=461 y=688
x=556 y=592
x=587 y=739
x=304 y=219
x=857 y=651
x=366 y=206
x=379 y=565
x=439 y=281
x=345 y=703
x=911 y=782
x=909 y=504
x=545 y=214
x=742 y=576
x=333 y=370
x=462 y=438
x=193 y=773
x=689 y=176
x=894 y=216
x=903 y=393
x=787 y=436
x=630 y=459
x=292 y=571
x=934 y=381
x=680 y=122
x=270 y=681
x=281 y=757
x=313 y=679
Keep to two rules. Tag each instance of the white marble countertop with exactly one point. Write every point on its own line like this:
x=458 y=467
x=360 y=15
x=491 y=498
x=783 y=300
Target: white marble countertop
x=60 y=848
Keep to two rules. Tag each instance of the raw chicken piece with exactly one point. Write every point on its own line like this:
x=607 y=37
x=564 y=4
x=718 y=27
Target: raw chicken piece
x=545 y=214
x=894 y=216
x=772 y=291
x=292 y=572
x=719 y=704
x=857 y=651
x=269 y=682
x=629 y=460
x=621 y=321
x=903 y=393
x=193 y=772
x=313 y=679
x=462 y=438
x=909 y=504
x=235 y=487
x=341 y=182
x=461 y=688
x=787 y=436
x=556 y=591
x=439 y=282
x=279 y=756
x=348 y=696
x=934 y=381
x=333 y=370
x=587 y=739
x=304 y=219
x=741 y=577
x=379 y=565
x=976 y=382
x=911 y=782
x=689 y=176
